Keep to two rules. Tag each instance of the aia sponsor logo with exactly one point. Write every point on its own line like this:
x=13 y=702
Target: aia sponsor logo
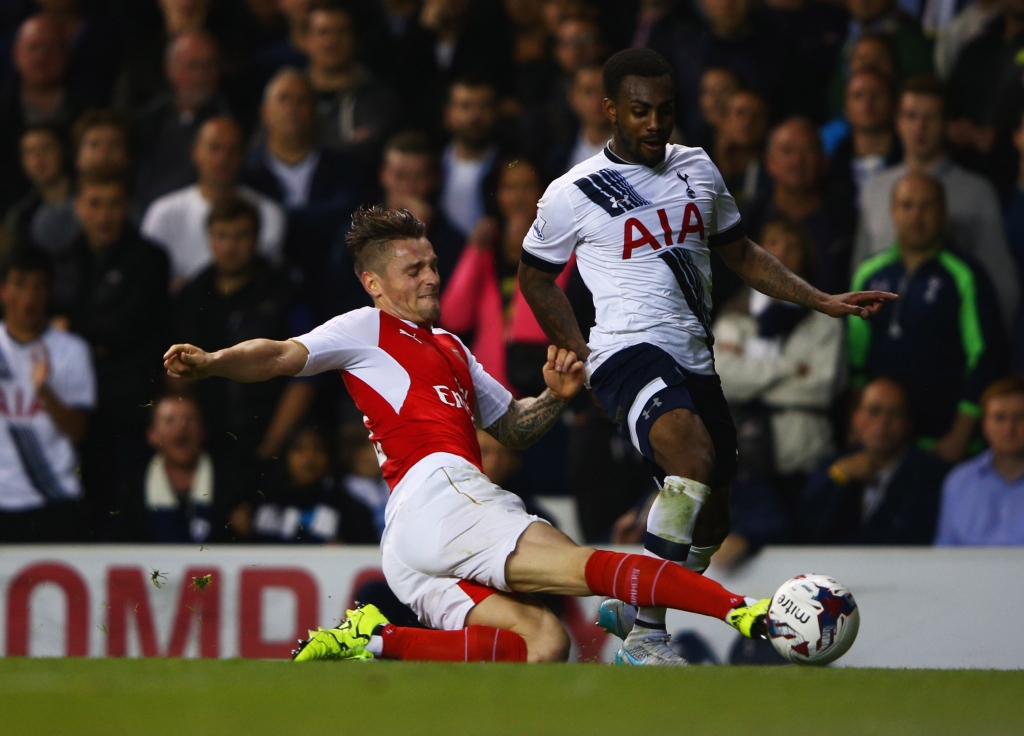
x=636 y=234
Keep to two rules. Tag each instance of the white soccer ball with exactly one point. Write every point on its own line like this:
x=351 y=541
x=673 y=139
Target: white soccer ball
x=813 y=619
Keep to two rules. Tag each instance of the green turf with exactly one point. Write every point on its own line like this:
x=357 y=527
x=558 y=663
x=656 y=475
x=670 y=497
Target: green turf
x=159 y=696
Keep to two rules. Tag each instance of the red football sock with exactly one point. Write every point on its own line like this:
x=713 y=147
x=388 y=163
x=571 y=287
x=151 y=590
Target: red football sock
x=647 y=581
x=472 y=644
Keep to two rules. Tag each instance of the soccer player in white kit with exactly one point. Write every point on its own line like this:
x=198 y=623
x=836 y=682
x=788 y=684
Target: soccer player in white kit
x=461 y=552
x=642 y=218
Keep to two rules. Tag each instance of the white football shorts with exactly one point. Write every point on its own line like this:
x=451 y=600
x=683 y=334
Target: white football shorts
x=446 y=542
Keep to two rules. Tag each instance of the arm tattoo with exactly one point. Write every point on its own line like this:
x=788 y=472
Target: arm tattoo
x=766 y=274
x=554 y=313
x=526 y=421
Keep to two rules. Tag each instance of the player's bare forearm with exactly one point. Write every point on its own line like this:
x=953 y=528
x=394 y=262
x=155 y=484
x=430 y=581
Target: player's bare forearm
x=527 y=420
x=552 y=309
x=248 y=362
x=765 y=273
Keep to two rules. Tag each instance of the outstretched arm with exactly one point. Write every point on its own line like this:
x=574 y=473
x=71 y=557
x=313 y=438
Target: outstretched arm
x=552 y=309
x=763 y=271
x=527 y=420
x=247 y=362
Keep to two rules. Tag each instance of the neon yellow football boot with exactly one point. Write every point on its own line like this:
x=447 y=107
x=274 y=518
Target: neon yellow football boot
x=751 y=621
x=347 y=641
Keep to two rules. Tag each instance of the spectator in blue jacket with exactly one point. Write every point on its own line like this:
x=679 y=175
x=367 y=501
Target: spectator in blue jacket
x=983 y=498
x=942 y=338
x=882 y=491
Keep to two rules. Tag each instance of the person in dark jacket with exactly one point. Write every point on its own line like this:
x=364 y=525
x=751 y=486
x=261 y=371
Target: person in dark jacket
x=883 y=490
x=942 y=340
x=241 y=297
x=304 y=502
x=111 y=288
x=317 y=186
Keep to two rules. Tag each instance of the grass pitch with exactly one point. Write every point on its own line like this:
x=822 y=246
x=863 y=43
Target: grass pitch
x=161 y=696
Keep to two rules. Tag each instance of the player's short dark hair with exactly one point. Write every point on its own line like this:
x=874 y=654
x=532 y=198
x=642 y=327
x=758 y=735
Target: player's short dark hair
x=26 y=258
x=1010 y=386
x=374 y=229
x=925 y=85
x=234 y=208
x=633 y=63
x=413 y=142
x=101 y=177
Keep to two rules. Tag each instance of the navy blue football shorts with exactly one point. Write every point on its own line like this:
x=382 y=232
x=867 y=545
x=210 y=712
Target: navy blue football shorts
x=640 y=383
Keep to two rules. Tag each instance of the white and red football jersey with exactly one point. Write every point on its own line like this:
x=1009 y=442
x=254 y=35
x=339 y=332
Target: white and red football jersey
x=418 y=388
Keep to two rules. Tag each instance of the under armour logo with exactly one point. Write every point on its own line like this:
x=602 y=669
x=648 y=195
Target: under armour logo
x=409 y=334
x=685 y=178
x=655 y=403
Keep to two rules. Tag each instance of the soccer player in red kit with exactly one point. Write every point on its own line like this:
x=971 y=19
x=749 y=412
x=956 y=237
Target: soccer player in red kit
x=461 y=552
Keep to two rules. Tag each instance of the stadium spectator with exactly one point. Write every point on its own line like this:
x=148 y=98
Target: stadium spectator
x=593 y=129
x=289 y=49
x=739 y=145
x=951 y=39
x=983 y=498
x=943 y=341
x=36 y=94
x=482 y=302
x=409 y=177
x=362 y=480
x=49 y=199
x=913 y=51
x=168 y=124
x=94 y=44
x=467 y=168
x=47 y=388
x=780 y=366
x=178 y=221
x=881 y=491
x=184 y=490
x=318 y=188
x=972 y=206
x=985 y=95
x=795 y=164
x=577 y=44
x=817 y=31
x=453 y=39
x=534 y=66
x=872 y=144
x=100 y=140
x=356 y=111
x=304 y=503
x=739 y=37
x=717 y=85
x=871 y=53
x=111 y=288
x=241 y=297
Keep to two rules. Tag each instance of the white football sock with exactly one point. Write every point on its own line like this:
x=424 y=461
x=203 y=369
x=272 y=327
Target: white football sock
x=376 y=645
x=700 y=558
x=670 y=531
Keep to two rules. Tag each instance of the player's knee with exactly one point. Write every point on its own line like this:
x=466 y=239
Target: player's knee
x=683 y=447
x=547 y=640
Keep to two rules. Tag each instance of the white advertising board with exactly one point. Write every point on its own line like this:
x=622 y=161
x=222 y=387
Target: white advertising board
x=941 y=608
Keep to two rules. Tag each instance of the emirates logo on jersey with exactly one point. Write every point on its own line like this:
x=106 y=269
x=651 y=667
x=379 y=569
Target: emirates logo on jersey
x=457 y=397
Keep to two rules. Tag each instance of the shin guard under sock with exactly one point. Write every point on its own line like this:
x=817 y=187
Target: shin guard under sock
x=670 y=531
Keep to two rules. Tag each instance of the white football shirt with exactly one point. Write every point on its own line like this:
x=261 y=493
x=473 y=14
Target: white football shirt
x=642 y=238
x=38 y=463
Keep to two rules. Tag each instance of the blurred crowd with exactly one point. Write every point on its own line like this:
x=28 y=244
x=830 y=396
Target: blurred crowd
x=185 y=171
